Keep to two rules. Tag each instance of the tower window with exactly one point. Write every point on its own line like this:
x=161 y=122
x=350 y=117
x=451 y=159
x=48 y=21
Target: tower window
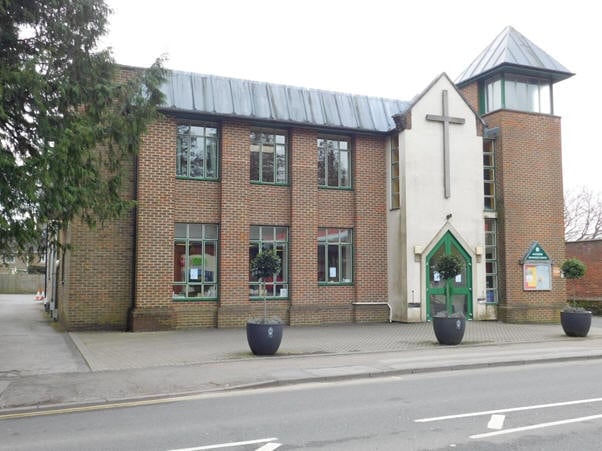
x=489 y=174
x=517 y=93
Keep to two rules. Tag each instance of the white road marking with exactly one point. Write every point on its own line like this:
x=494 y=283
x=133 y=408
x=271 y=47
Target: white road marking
x=230 y=445
x=269 y=447
x=496 y=422
x=537 y=426
x=513 y=409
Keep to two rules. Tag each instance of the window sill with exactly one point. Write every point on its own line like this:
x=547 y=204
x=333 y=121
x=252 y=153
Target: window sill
x=185 y=299
x=335 y=284
x=255 y=182
x=197 y=179
x=269 y=298
x=337 y=188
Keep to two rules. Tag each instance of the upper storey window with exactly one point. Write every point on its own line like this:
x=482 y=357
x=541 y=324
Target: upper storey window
x=268 y=157
x=517 y=93
x=334 y=163
x=196 y=154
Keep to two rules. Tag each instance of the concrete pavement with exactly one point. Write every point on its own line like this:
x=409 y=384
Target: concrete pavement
x=42 y=366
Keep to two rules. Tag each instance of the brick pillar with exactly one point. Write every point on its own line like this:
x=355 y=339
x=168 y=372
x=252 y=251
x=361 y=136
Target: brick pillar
x=303 y=242
x=370 y=237
x=234 y=307
x=155 y=229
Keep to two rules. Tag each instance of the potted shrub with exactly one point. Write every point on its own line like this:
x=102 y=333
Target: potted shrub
x=449 y=327
x=575 y=320
x=264 y=335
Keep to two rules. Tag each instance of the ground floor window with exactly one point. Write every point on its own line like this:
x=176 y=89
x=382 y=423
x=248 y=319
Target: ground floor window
x=491 y=260
x=195 y=261
x=335 y=255
x=269 y=237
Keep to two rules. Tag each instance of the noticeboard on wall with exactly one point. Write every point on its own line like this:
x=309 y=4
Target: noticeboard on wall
x=537 y=269
x=536 y=276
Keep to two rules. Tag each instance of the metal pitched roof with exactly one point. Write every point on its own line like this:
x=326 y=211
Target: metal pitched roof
x=512 y=48
x=221 y=96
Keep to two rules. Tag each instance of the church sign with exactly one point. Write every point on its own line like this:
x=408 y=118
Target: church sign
x=537 y=269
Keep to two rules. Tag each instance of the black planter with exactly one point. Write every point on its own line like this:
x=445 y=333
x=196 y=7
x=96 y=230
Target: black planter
x=449 y=330
x=264 y=338
x=576 y=324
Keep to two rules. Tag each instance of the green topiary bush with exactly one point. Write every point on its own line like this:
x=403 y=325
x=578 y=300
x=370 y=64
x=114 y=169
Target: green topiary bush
x=573 y=269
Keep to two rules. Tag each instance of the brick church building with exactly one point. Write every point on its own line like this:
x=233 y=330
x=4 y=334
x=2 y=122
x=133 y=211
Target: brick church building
x=359 y=196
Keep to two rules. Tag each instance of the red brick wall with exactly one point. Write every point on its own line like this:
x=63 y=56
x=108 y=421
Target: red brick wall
x=471 y=95
x=235 y=204
x=234 y=224
x=530 y=208
x=153 y=307
x=304 y=227
x=370 y=238
x=197 y=201
x=590 y=286
x=98 y=283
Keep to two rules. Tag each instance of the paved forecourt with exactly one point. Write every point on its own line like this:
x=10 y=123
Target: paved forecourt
x=42 y=366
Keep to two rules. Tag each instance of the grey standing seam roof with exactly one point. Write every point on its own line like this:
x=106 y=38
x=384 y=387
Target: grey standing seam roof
x=221 y=96
x=512 y=48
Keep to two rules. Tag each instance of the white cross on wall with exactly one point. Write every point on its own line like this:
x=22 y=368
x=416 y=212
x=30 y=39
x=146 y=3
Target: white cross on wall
x=446 y=119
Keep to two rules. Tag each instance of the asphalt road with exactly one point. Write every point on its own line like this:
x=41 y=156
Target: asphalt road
x=544 y=407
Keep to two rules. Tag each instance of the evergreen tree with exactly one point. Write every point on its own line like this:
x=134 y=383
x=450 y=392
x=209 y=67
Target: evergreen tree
x=68 y=118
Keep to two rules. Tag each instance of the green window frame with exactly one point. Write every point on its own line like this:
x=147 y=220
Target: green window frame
x=195 y=261
x=335 y=256
x=491 y=276
x=334 y=163
x=197 y=155
x=266 y=238
x=489 y=174
x=395 y=172
x=269 y=157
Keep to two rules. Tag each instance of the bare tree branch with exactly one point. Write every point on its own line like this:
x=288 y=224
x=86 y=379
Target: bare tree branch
x=583 y=215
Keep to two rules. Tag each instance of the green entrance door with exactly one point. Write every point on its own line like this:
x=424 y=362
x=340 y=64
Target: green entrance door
x=460 y=287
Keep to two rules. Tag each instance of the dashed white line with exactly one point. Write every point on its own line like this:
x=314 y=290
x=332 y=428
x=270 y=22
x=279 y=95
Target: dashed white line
x=537 y=426
x=232 y=444
x=269 y=447
x=496 y=422
x=512 y=409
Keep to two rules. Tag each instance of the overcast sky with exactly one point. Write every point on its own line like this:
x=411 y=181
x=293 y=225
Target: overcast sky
x=387 y=48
